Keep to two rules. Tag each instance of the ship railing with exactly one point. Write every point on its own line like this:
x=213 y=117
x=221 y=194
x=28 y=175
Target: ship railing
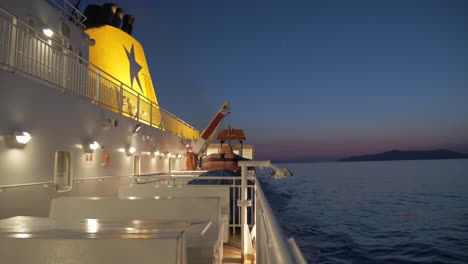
x=70 y=12
x=25 y=49
x=178 y=179
x=263 y=236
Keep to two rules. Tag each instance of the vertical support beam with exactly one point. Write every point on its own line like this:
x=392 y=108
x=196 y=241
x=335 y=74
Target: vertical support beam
x=246 y=239
x=244 y=227
x=170 y=165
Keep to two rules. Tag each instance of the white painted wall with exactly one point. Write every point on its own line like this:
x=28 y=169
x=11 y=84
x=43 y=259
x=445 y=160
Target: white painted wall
x=61 y=121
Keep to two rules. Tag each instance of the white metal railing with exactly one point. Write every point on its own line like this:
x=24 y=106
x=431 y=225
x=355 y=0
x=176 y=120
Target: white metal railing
x=25 y=49
x=233 y=182
x=70 y=12
x=47 y=184
x=271 y=244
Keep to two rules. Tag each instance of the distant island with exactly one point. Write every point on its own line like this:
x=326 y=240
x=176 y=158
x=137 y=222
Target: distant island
x=409 y=155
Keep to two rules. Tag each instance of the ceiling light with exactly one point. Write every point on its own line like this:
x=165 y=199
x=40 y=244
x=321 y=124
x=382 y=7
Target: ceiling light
x=23 y=137
x=48 y=32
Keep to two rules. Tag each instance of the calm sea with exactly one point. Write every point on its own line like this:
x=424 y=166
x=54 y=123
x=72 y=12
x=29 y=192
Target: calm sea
x=376 y=212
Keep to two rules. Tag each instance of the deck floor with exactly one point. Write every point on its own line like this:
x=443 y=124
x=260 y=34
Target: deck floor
x=232 y=250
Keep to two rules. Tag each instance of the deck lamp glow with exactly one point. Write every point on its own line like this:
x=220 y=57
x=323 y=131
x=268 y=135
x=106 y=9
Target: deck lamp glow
x=94 y=145
x=23 y=137
x=48 y=32
x=91 y=146
x=136 y=128
x=129 y=150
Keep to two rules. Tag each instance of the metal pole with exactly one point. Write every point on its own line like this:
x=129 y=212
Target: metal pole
x=244 y=227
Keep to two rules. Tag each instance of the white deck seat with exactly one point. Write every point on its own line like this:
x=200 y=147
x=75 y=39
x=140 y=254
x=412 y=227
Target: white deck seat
x=201 y=209
x=150 y=191
x=46 y=244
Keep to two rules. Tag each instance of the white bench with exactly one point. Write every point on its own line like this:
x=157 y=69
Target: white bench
x=44 y=243
x=149 y=191
x=201 y=209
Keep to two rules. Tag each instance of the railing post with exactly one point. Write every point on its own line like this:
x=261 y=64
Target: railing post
x=137 y=114
x=98 y=79
x=64 y=68
x=121 y=98
x=13 y=42
x=246 y=244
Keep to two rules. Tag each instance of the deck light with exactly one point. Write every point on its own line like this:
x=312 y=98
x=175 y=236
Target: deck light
x=91 y=146
x=136 y=128
x=92 y=225
x=48 y=32
x=23 y=137
x=129 y=150
x=94 y=145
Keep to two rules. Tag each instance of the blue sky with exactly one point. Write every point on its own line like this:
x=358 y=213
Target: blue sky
x=310 y=80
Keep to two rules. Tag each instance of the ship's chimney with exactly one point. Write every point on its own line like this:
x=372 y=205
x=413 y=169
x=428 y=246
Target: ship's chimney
x=108 y=11
x=128 y=22
x=118 y=17
x=93 y=14
x=108 y=14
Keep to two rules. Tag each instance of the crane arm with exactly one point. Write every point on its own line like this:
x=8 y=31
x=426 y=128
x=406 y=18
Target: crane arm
x=200 y=145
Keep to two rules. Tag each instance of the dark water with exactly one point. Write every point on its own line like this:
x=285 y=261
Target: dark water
x=376 y=212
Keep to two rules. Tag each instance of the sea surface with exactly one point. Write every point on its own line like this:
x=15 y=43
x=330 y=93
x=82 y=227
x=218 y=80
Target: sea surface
x=376 y=212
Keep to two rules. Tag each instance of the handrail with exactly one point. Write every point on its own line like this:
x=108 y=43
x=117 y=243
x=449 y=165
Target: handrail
x=75 y=13
x=4 y=187
x=276 y=245
x=71 y=72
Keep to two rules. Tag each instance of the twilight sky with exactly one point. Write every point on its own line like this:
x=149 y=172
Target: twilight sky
x=310 y=80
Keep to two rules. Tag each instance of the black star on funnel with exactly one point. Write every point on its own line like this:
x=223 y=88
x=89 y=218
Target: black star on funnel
x=134 y=67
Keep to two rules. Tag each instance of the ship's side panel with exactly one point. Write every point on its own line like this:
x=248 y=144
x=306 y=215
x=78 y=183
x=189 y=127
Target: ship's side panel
x=57 y=121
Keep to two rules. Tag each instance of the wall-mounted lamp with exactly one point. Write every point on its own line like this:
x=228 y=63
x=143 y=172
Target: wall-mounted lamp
x=48 y=32
x=91 y=146
x=169 y=155
x=111 y=122
x=17 y=139
x=136 y=128
x=129 y=150
x=179 y=156
x=22 y=137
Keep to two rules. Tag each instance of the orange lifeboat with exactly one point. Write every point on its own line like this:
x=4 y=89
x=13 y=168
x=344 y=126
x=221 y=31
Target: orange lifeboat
x=224 y=160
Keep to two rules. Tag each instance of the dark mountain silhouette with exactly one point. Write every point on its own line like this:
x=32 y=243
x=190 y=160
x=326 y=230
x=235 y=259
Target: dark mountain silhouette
x=409 y=155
